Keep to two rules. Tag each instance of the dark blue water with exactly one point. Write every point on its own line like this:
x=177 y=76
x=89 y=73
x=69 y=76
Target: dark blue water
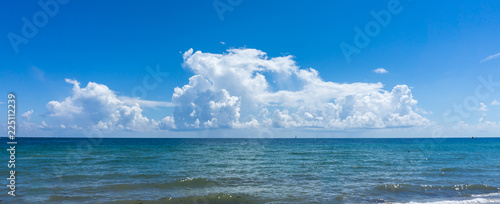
x=255 y=170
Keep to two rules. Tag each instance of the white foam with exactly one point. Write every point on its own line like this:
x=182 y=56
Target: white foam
x=471 y=201
x=486 y=195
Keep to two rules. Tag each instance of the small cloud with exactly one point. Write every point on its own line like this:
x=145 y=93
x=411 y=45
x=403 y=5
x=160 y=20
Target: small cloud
x=483 y=118
x=483 y=107
x=72 y=81
x=380 y=71
x=27 y=114
x=223 y=43
x=490 y=57
x=495 y=103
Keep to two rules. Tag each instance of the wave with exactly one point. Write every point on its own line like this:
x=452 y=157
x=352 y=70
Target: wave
x=181 y=183
x=415 y=188
x=457 y=194
x=487 y=195
x=474 y=199
x=470 y=201
x=205 y=199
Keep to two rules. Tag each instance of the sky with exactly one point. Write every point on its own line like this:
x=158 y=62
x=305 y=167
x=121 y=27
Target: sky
x=237 y=68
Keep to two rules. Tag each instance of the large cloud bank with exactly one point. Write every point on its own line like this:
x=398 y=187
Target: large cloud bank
x=244 y=88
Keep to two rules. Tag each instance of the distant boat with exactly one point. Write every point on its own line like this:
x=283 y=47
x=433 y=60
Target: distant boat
x=295 y=136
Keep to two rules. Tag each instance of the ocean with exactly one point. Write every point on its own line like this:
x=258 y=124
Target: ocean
x=69 y=170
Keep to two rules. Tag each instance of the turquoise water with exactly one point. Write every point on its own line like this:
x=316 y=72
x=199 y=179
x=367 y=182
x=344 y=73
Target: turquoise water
x=256 y=171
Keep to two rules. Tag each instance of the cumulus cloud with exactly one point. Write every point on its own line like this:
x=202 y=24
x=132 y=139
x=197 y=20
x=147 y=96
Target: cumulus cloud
x=495 y=103
x=244 y=88
x=284 y=95
x=27 y=115
x=377 y=110
x=96 y=106
x=198 y=104
x=380 y=71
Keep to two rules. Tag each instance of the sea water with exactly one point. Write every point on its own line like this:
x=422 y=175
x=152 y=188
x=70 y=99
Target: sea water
x=69 y=170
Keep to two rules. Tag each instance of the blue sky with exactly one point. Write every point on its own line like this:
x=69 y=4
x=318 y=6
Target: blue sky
x=436 y=49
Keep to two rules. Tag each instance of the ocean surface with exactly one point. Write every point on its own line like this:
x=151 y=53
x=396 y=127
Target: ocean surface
x=63 y=170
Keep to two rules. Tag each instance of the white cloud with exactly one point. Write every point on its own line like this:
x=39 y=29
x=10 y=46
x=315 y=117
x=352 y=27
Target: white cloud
x=483 y=128
x=243 y=88
x=380 y=71
x=483 y=107
x=96 y=106
x=298 y=97
x=242 y=73
x=167 y=123
x=199 y=105
x=145 y=103
x=495 y=103
x=27 y=115
x=424 y=112
x=483 y=118
x=31 y=127
x=490 y=57
x=377 y=110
